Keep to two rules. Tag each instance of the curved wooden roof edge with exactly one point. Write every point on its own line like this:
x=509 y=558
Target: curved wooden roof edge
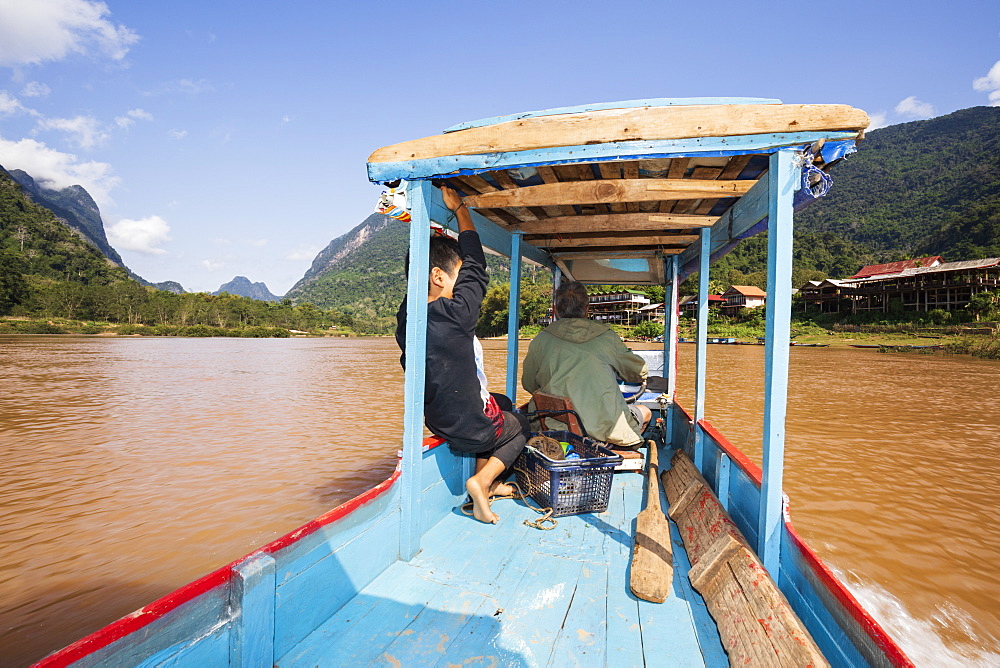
x=647 y=123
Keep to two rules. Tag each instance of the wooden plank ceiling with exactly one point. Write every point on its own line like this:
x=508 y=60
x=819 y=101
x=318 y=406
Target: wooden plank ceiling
x=638 y=209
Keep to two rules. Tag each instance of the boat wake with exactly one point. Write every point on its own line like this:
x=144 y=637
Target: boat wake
x=947 y=638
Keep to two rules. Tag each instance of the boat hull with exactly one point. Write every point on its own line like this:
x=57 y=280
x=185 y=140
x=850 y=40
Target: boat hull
x=255 y=610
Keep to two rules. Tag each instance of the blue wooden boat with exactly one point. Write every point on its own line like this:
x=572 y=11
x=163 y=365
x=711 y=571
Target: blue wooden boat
x=636 y=193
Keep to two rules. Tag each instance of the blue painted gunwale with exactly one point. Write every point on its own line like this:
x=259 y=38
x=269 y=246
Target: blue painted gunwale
x=603 y=106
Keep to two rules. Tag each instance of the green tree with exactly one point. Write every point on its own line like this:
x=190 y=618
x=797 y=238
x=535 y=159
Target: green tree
x=13 y=286
x=493 y=314
x=648 y=329
x=985 y=305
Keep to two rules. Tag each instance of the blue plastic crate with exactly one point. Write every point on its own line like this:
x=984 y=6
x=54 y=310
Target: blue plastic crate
x=570 y=486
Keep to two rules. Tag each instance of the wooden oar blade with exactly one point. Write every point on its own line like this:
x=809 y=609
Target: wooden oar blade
x=652 y=557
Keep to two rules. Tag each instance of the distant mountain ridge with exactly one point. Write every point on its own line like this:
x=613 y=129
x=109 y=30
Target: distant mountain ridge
x=243 y=287
x=35 y=243
x=170 y=286
x=342 y=246
x=77 y=210
x=75 y=207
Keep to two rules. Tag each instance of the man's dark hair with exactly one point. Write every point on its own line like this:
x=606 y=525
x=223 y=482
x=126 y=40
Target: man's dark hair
x=571 y=300
x=444 y=254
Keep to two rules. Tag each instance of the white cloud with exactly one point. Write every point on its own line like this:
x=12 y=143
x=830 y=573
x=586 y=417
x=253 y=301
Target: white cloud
x=286 y=119
x=257 y=243
x=84 y=131
x=129 y=119
x=178 y=134
x=914 y=108
x=185 y=86
x=142 y=236
x=9 y=104
x=57 y=170
x=878 y=120
x=990 y=84
x=35 y=89
x=212 y=265
x=303 y=253
x=45 y=30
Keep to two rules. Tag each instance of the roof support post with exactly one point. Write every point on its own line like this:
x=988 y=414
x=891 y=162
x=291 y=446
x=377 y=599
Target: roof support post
x=420 y=195
x=670 y=266
x=557 y=278
x=513 y=315
x=782 y=179
x=701 y=348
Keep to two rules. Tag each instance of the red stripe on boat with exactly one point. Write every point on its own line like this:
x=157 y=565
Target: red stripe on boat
x=833 y=584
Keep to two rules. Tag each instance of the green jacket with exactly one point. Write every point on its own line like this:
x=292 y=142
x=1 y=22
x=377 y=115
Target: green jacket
x=578 y=358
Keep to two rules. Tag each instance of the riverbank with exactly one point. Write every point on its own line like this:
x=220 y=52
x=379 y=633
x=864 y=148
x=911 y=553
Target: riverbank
x=987 y=347
x=12 y=325
x=979 y=345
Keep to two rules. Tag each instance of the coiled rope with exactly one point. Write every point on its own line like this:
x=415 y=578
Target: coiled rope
x=541 y=523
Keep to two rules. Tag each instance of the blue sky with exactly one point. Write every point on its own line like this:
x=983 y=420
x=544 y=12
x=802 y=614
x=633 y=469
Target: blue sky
x=225 y=138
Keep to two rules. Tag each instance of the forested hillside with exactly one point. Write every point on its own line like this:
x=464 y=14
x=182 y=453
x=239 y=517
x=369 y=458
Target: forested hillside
x=361 y=273
x=923 y=188
x=48 y=271
x=75 y=207
x=34 y=242
x=916 y=188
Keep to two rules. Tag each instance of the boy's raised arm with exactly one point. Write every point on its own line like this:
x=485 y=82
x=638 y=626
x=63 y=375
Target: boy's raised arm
x=453 y=201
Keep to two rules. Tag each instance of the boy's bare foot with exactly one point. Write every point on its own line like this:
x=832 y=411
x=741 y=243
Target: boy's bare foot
x=480 y=502
x=501 y=489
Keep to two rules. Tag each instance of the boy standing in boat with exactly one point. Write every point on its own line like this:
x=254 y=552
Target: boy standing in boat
x=457 y=404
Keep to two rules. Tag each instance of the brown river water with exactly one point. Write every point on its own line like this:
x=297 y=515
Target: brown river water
x=133 y=466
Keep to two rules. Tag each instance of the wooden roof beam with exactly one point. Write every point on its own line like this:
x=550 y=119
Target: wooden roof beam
x=610 y=242
x=561 y=256
x=613 y=222
x=609 y=192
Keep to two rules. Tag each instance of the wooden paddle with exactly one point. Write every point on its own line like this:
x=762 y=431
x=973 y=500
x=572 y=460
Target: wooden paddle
x=652 y=555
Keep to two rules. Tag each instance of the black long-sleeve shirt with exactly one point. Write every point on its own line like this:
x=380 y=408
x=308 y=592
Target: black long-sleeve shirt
x=453 y=403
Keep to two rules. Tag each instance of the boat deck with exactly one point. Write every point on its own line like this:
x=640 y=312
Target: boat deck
x=512 y=595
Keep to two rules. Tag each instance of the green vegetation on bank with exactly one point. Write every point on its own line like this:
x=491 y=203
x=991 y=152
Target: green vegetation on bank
x=130 y=308
x=64 y=326
x=988 y=348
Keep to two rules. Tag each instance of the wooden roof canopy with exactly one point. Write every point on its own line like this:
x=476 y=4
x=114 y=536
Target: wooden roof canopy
x=600 y=187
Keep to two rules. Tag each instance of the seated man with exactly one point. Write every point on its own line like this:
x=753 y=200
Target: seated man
x=578 y=358
x=458 y=407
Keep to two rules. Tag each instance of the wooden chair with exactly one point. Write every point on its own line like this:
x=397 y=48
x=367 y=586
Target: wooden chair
x=553 y=402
